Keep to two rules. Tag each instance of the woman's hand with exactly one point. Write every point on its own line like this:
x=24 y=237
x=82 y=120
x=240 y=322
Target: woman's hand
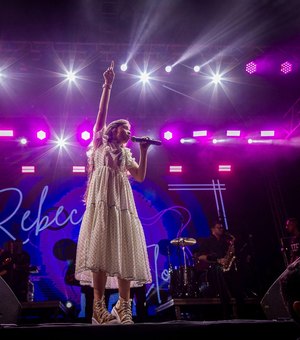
x=109 y=74
x=144 y=145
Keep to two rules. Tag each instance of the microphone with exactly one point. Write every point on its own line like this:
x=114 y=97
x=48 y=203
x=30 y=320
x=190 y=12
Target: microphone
x=143 y=139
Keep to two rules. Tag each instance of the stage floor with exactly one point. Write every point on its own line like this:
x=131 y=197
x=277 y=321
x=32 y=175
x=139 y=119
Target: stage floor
x=177 y=329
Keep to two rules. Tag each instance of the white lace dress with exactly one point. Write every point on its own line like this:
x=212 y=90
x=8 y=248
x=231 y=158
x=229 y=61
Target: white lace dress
x=111 y=236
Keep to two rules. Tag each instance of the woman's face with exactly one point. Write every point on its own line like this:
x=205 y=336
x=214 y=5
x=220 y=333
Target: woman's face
x=122 y=134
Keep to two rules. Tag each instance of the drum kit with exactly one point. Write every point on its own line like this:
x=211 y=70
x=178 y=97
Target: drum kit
x=183 y=280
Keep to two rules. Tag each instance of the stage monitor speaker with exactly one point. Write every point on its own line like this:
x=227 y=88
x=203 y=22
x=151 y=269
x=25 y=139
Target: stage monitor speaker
x=10 y=307
x=273 y=304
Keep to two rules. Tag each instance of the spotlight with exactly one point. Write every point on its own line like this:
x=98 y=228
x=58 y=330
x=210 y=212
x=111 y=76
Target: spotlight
x=28 y=169
x=250 y=140
x=168 y=68
x=123 y=67
x=78 y=169
x=23 y=141
x=41 y=134
x=61 y=142
x=168 y=135
x=286 y=67
x=187 y=140
x=224 y=168
x=144 y=76
x=251 y=67
x=201 y=133
x=69 y=304
x=85 y=135
x=196 y=68
x=71 y=76
x=6 y=133
x=216 y=78
x=267 y=133
x=175 y=168
x=233 y=133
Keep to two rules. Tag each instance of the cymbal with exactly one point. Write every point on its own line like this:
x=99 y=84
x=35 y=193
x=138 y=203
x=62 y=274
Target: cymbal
x=183 y=241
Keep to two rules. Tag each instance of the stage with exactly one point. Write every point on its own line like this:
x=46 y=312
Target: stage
x=177 y=329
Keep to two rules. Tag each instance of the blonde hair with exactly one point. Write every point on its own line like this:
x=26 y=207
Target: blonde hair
x=108 y=135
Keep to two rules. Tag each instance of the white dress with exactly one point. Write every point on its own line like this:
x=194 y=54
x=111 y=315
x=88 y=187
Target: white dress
x=111 y=237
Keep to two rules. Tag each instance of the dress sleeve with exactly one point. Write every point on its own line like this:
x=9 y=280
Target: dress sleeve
x=129 y=160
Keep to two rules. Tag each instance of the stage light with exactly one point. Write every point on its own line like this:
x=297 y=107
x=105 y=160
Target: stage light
x=196 y=68
x=216 y=78
x=250 y=140
x=85 y=135
x=233 y=133
x=6 y=133
x=187 y=140
x=286 y=67
x=267 y=133
x=215 y=141
x=168 y=68
x=28 y=169
x=175 y=168
x=61 y=142
x=41 y=135
x=71 y=76
x=168 y=135
x=144 y=77
x=224 y=168
x=251 y=67
x=200 y=133
x=123 y=67
x=69 y=304
x=78 y=169
x=23 y=141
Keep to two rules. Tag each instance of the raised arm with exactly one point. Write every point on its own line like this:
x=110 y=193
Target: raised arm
x=108 y=76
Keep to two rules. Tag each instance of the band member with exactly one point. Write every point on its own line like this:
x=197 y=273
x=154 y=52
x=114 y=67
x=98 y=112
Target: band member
x=293 y=247
x=215 y=259
x=16 y=269
x=5 y=262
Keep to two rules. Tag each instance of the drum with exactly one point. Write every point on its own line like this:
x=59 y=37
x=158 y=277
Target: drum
x=183 y=282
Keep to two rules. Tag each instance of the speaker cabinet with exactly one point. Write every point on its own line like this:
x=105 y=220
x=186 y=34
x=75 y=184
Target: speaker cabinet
x=273 y=304
x=10 y=307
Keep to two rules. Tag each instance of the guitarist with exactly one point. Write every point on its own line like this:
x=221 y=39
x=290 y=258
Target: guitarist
x=215 y=257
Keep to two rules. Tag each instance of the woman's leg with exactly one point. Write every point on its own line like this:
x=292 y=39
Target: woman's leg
x=122 y=310
x=124 y=289
x=99 y=280
x=100 y=312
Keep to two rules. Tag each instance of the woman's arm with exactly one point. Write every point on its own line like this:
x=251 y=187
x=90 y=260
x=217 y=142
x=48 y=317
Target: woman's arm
x=108 y=76
x=139 y=172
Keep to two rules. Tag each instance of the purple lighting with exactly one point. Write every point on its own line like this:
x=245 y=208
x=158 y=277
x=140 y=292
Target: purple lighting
x=85 y=135
x=202 y=133
x=41 y=135
x=251 y=67
x=224 y=168
x=6 y=133
x=267 y=133
x=233 y=133
x=286 y=67
x=168 y=135
x=78 y=169
x=28 y=169
x=175 y=168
